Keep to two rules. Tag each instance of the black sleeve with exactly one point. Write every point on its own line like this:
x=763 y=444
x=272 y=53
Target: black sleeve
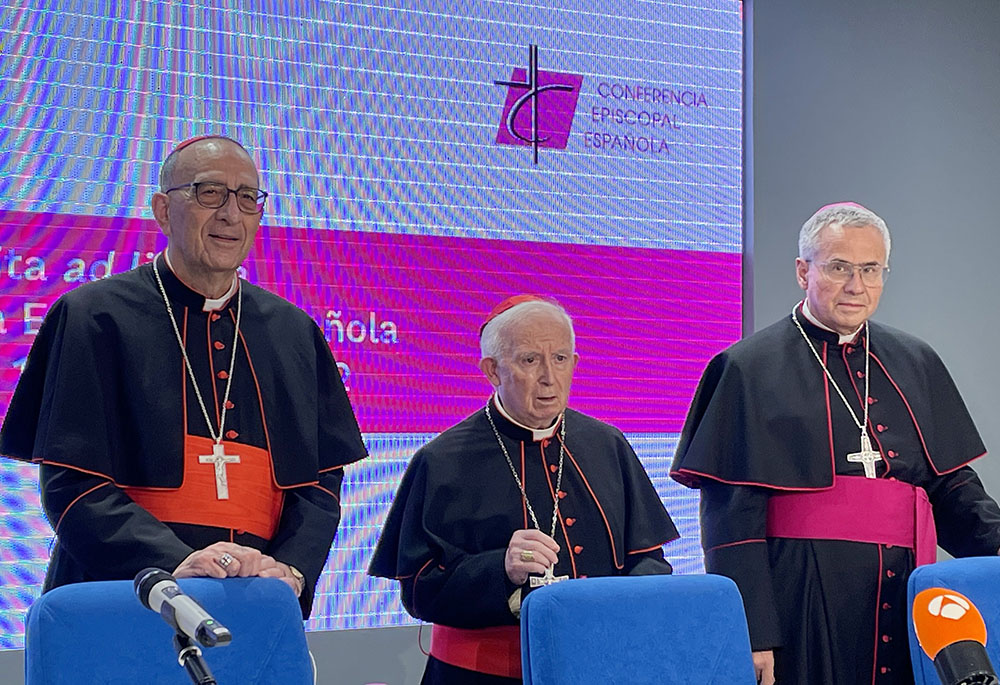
x=309 y=519
x=967 y=519
x=439 y=581
x=649 y=563
x=103 y=529
x=733 y=531
x=461 y=590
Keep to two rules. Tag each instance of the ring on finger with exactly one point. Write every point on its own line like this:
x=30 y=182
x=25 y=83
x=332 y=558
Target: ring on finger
x=225 y=560
x=527 y=555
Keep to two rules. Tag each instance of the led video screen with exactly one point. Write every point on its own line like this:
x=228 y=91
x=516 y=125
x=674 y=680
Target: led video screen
x=424 y=159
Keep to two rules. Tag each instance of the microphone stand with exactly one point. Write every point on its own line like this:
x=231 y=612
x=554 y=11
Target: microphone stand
x=189 y=656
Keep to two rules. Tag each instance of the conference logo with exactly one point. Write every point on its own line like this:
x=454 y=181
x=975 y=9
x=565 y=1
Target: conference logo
x=539 y=108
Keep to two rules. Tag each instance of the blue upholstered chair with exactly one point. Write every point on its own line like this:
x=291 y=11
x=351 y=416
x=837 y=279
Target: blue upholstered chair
x=670 y=630
x=976 y=578
x=100 y=633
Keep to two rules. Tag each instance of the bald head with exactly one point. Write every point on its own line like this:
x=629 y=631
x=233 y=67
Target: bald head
x=176 y=165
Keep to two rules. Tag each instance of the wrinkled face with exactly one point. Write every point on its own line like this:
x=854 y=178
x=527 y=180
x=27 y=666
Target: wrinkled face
x=842 y=307
x=207 y=243
x=534 y=376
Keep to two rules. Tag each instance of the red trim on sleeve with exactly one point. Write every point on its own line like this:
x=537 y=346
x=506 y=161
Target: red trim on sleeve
x=648 y=549
x=692 y=475
x=413 y=575
x=735 y=544
x=75 y=500
x=329 y=492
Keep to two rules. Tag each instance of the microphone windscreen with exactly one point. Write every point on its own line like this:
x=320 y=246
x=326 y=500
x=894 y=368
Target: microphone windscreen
x=942 y=617
x=146 y=579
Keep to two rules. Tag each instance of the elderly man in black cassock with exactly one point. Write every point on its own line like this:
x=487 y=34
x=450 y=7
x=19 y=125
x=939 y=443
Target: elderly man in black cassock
x=182 y=417
x=828 y=448
x=522 y=493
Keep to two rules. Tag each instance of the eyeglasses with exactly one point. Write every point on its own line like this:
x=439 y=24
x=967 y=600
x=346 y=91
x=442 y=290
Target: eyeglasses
x=839 y=271
x=211 y=195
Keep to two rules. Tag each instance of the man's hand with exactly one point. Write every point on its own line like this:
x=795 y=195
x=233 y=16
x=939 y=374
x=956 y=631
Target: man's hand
x=529 y=551
x=284 y=573
x=226 y=560
x=763 y=666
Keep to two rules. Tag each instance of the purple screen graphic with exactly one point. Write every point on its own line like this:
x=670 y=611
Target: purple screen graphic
x=556 y=94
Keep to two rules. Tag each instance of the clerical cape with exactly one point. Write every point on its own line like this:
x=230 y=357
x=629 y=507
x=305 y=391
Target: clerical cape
x=106 y=406
x=458 y=505
x=764 y=421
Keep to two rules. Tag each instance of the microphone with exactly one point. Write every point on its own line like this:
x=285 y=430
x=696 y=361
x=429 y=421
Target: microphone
x=952 y=633
x=159 y=592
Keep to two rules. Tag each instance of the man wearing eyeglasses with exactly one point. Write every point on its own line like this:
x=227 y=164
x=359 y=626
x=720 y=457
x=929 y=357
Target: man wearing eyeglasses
x=827 y=448
x=184 y=418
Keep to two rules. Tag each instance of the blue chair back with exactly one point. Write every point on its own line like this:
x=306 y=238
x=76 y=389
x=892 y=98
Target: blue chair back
x=977 y=579
x=100 y=633
x=672 y=630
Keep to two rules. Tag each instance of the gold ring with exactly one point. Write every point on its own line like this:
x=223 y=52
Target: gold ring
x=527 y=555
x=225 y=560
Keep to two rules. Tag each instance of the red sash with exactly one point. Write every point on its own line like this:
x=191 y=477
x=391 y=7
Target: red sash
x=496 y=651
x=858 y=509
x=254 y=503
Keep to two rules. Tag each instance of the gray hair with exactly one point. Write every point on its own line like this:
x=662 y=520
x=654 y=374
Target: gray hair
x=170 y=163
x=845 y=214
x=494 y=343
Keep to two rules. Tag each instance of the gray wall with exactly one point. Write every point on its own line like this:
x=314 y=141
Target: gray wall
x=894 y=104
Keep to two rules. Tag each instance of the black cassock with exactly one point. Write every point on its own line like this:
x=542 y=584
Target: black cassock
x=101 y=405
x=766 y=420
x=458 y=505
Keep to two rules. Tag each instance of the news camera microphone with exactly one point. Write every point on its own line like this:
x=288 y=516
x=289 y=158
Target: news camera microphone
x=159 y=592
x=952 y=633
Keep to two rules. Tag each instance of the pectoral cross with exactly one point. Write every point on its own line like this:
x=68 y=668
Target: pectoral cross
x=867 y=456
x=548 y=579
x=219 y=458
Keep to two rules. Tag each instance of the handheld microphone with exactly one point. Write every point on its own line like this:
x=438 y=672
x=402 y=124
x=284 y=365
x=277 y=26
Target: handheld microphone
x=159 y=592
x=952 y=633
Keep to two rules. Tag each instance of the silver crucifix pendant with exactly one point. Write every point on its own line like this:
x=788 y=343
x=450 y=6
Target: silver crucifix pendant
x=548 y=579
x=866 y=457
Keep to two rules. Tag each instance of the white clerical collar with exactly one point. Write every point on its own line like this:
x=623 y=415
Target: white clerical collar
x=537 y=434
x=844 y=339
x=210 y=305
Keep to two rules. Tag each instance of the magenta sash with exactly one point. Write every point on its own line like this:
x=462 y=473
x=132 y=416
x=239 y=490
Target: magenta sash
x=858 y=509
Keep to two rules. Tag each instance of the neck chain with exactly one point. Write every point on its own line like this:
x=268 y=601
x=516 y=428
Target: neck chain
x=187 y=362
x=517 y=478
x=862 y=425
